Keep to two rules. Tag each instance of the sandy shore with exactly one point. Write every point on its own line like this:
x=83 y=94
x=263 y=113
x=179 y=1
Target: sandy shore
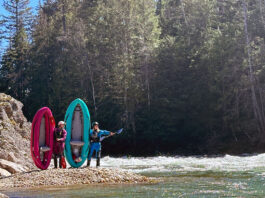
x=71 y=176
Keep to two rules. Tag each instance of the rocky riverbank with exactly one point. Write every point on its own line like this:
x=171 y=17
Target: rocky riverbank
x=71 y=176
x=14 y=137
x=17 y=169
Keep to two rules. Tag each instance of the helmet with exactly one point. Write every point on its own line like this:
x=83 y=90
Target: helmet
x=61 y=122
x=94 y=123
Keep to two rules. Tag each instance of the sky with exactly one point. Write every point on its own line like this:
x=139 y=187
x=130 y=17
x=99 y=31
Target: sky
x=33 y=4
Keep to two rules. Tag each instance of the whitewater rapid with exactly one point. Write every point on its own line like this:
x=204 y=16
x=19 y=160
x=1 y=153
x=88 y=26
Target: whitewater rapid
x=222 y=176
x=225 y=163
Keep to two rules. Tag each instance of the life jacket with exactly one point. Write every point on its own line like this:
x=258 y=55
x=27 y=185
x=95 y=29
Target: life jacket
x=94 y=137
x=58 y=133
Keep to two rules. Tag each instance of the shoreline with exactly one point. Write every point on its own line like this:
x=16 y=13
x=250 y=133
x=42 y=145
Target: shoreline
x=70 y=177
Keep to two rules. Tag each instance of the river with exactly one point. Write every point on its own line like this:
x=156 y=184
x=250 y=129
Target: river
x=223 y=176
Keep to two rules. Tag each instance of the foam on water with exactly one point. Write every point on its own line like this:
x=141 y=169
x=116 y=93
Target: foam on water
x=226 y=163
x=227 y=176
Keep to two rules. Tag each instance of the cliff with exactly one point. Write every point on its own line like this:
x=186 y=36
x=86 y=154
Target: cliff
x=14 y=137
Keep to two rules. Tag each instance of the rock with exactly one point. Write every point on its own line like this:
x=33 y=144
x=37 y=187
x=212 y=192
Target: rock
x=3 y=115
x=4 y=173
x=11 y=157
x=14 y=135
x=8 y=109
x=11 y=166
x=3 y=196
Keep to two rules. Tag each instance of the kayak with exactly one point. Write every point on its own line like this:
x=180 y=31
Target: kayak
x=41 y=144
x=77 y=120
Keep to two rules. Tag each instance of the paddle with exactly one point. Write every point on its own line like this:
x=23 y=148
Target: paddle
x=117 y=132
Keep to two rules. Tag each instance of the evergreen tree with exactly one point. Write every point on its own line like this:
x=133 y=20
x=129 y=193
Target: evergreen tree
x=181 y=76
x=14 y=63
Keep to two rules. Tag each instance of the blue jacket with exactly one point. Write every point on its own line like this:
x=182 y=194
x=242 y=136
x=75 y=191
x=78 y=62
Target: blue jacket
x=97 y=137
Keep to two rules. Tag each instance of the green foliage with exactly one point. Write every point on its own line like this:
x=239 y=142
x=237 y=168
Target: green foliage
x=174 y=74
x=15 y=60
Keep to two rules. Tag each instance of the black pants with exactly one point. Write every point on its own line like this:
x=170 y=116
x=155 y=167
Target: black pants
x=56 y=162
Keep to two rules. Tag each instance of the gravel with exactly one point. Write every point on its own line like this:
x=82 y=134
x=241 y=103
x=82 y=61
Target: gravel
x=71 y=176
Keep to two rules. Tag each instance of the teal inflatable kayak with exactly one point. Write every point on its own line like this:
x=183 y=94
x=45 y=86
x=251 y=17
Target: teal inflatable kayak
x=77 y=120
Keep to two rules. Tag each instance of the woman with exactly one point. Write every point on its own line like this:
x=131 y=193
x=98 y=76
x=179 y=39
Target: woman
x=59 y=143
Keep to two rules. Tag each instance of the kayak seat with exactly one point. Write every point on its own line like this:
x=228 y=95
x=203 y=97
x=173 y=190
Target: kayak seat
x=77 y=143
x=44 y=148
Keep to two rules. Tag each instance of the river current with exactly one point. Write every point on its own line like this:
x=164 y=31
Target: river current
x=199 y=176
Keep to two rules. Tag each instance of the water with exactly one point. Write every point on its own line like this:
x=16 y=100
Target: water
x=228 y=176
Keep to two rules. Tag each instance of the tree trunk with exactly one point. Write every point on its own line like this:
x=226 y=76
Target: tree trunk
x=256 y=109
x=183 y=13
x=92 y=87
x=17 y=19
x=158 y=7
x=185 y=19
x=63 y=18
x=147 y=83
x=261 y=100
x=146 y=64
x=261 y=8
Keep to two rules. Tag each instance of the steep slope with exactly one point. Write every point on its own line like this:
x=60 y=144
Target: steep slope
x=14 y=137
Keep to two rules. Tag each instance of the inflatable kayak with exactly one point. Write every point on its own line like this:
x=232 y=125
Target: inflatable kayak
x=77 y=120
x=41 y=144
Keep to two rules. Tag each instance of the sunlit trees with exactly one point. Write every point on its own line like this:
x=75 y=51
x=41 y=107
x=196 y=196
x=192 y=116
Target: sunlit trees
x=14 y=63
x=179 y=75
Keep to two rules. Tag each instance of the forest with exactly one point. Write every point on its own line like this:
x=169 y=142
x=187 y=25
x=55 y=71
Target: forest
x=182 y=77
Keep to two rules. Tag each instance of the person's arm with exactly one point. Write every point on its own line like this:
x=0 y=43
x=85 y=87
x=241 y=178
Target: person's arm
x=55 y=136
x=64 y=135
x=90 y=133
x=102 y=137
x=106 y=133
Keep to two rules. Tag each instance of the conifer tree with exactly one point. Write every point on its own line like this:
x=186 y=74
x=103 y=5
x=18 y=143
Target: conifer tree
x=15 y=62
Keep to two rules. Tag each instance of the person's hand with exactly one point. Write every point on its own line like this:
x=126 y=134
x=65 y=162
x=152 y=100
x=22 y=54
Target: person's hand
x=111 y=133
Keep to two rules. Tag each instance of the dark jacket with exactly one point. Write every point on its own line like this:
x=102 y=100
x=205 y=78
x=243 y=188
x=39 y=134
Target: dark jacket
x=58 y=146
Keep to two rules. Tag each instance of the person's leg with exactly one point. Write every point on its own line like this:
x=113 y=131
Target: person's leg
x=60 y=161
x=89 y=158
x=98 y=157
x=55 y=161
x=88 y=162
x=90 y=154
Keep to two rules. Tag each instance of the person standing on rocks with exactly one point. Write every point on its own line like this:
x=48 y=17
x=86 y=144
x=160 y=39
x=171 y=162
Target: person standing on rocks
x=59 y=143
x=96 y=136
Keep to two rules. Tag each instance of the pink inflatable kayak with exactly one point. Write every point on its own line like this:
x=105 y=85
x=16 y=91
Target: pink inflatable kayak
x=41 y=144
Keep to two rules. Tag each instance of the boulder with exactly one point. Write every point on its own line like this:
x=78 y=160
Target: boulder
x=3 y=196
x=14 y=136
x=11 y=157
x=11 y=166
x=4 y=173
